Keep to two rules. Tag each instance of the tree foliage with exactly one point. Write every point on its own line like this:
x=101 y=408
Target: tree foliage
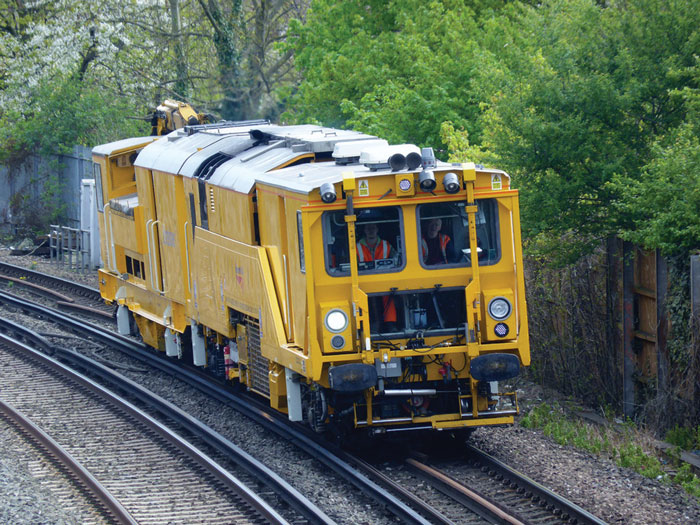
x=570 y=96
x=61 y=113
x=579 y=99
x=395 y=69
x=589 y=105
x=222 y=56
x=663 y=203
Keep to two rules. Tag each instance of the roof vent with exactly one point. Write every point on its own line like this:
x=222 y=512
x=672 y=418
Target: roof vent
x=389 y=157
x=349 y=152
x=207 y=168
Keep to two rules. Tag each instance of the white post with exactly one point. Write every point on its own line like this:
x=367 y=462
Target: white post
x=89 y=220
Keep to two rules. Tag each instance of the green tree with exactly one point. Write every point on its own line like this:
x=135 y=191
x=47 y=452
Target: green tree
x=221 y=56
x=663 y=203
x=394 y=69
x=579 y=93
x=61 y=114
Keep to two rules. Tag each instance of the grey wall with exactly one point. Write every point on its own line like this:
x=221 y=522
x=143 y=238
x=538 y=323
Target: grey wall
x=29 y=179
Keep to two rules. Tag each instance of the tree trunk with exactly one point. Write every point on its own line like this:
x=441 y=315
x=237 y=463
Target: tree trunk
x=181 y=86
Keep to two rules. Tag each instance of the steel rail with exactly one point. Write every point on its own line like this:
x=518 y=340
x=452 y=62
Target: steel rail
x=272 y=423
x=53 y=450
x=467 y=497
x=19 y=270
x=37 y=288
x=289 y=494
x=231 y=482
x=85 y=309
x=569 y=508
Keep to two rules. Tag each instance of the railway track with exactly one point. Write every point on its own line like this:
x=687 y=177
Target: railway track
x=399 y=500
x=60 y=293
x=494 y=492
x=131 y=462
x=416 y=512
x=64 y=466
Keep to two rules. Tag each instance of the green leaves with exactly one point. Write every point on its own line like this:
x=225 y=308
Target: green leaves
x=396 y=69
x=582 y=96
x=63 y=113
x=662 y=205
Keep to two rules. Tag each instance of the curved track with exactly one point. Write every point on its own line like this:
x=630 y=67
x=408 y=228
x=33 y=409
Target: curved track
x=61 y=292
x=414 y=512
x=535 y=502
x=140 y=461
x=106 y=505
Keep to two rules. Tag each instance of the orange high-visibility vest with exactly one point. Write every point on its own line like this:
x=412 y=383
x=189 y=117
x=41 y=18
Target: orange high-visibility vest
x=444 y=240
x=381 y=250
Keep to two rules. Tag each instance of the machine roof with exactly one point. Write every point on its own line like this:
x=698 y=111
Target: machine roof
x=253 y=151
x=239 y=156
x=114 y=147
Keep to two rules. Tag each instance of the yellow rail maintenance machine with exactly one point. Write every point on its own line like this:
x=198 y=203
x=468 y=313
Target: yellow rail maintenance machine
x=353 y=283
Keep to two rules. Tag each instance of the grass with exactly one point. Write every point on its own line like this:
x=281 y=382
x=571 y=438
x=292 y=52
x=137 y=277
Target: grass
x=624 y=448
x=684 y=437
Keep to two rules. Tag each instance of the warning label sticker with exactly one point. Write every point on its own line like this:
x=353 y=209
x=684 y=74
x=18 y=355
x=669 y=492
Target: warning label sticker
x=363 y=188
x=496 y=182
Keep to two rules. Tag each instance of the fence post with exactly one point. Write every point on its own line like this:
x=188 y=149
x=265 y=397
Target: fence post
x=629 y=360
x=695 y=285
x=695 y=327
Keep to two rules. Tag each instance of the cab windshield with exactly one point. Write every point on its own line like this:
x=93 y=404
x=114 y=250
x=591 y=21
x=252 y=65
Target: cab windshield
x=443 y=234
x=379 y=233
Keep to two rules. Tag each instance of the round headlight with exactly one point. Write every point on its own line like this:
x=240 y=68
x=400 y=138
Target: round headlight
x=500 y=308
x=426 y=180
x=451 y=183
x=336 y=320
x=327 y=191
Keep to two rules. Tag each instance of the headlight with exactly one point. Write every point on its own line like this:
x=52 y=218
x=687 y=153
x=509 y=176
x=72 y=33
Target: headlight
x=500 y=308
x=336 y=321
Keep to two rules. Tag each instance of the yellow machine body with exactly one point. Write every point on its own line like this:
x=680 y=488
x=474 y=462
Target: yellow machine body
x=243 y=245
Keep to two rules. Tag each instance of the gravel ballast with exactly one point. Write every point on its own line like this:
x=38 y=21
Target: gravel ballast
x=614 y=494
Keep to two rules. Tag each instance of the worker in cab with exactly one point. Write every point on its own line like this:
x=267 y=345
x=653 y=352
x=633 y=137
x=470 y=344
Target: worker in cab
x=371 y=247
x=436 y=246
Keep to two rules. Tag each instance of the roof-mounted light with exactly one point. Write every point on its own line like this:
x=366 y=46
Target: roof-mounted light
x=451 y=183
x=413 y=160
x=389 y=157
x=328 y=194
x=426 y=178
x=426 y=181
x=397 y=162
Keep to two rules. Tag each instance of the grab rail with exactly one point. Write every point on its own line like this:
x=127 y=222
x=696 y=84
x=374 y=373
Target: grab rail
x=153 y=242
x=187 y=258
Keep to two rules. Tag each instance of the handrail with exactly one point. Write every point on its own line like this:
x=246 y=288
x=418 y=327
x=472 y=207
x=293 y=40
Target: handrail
x=286 y=289
x=153 y=242
x=150 y=254
x=187 y=258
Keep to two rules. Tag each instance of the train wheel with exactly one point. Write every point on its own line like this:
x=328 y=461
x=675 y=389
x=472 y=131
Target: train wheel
x=316 y=408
